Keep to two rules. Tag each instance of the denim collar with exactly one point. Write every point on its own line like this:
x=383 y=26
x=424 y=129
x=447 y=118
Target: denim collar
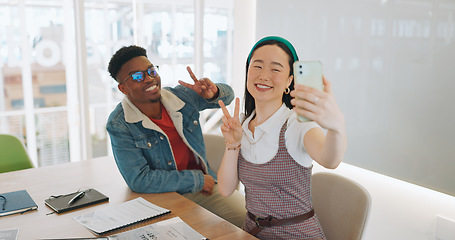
x=171 y=102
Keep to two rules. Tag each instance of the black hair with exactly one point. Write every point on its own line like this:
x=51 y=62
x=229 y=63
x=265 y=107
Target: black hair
x=122 y=56
x=250 y=105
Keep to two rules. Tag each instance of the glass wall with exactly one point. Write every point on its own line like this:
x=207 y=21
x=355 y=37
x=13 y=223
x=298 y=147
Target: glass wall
x=38 y=94
x=32 y=80
x=108 y=26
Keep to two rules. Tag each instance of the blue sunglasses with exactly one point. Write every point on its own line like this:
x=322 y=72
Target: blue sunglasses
x=139 y=76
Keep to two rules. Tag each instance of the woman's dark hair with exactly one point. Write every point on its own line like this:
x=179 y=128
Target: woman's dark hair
x=250 y=105
x=122 y=56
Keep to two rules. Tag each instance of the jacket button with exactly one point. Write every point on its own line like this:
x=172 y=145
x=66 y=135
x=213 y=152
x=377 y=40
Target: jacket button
x=161 y=137
x=169 y=163
x=149 y=144
x=195 y=122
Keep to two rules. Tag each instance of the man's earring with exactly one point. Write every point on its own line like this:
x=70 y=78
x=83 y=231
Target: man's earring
x=287 y=90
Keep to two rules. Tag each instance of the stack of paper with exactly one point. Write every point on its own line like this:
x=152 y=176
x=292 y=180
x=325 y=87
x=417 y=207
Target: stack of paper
x=171 y=229
x=120 y=215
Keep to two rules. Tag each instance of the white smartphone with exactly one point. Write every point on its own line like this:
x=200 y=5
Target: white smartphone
x=308 y=73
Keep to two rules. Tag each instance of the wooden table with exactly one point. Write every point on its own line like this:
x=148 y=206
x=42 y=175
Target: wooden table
x=101 y=174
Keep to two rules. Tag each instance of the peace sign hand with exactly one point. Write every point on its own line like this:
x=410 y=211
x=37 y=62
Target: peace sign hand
x=231 y=128
x=204 y=86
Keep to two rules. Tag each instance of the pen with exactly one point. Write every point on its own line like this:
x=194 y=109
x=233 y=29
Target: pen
x=79 y=195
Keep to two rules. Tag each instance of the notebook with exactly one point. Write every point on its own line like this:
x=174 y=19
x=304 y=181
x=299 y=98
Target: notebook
x=60 y=203
x=120 y=215
x=16 y=202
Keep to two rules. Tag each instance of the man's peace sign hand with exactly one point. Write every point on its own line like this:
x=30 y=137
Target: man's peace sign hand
x=204 y=87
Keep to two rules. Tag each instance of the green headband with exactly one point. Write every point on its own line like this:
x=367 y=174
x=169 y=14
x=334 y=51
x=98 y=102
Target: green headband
x=279 y=39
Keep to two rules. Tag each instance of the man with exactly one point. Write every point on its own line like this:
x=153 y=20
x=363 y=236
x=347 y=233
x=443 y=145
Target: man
x=156 y=136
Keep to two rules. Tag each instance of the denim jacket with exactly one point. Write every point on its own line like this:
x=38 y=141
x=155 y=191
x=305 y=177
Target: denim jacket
x=142 y=150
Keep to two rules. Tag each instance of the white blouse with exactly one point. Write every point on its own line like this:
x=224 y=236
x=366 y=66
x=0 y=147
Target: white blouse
x=264 y=145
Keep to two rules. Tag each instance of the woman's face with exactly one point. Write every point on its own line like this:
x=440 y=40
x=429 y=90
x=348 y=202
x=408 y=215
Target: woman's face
x=268 y=74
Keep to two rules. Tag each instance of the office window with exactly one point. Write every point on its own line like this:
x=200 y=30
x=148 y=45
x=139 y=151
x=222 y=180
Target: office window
x=52 y=89
x=166 y=30
x=11 y=112
x=169 y=38
x=39 y=75
x=216 y=44
x=33 y=76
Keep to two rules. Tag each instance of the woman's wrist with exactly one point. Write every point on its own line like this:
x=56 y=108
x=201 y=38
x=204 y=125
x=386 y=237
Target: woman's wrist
x=232 y=146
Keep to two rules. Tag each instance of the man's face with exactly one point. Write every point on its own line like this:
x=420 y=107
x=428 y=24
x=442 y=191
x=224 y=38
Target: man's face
x=146 y=91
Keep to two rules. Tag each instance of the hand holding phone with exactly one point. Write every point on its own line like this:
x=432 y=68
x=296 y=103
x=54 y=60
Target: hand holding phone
x=308 y=73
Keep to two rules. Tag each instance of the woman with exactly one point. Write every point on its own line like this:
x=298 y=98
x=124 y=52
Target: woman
x=271 y=152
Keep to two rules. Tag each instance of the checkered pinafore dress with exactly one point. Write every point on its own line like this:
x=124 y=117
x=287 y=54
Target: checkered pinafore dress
x=279 y=188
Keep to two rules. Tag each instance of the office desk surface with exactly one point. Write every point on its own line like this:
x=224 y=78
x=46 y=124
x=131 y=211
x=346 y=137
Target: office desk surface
x=101 y=174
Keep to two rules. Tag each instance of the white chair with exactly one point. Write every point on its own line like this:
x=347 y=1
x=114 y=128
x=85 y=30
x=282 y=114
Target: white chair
x=214 y=145
x=341 y=204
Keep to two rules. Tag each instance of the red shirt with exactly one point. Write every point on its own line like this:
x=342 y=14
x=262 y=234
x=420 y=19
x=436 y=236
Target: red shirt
x=183 y=155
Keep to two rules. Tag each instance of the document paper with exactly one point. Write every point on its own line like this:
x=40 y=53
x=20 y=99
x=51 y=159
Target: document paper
x=9 y=234
x=120 y=215
x=171 y=229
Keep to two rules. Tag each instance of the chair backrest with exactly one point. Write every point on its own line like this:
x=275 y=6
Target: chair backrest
x=342 y=205
x=13 y=155
x=214 y=145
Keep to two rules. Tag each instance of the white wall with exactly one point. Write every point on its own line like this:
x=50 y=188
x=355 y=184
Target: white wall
x=400 y=210
x=391 y=68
